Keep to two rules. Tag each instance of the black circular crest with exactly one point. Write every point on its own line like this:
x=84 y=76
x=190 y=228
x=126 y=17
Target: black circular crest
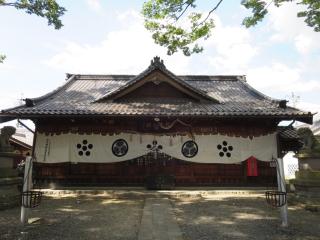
x=225 y=149
x=120 y=147
x=189 y=149
x=83 y=148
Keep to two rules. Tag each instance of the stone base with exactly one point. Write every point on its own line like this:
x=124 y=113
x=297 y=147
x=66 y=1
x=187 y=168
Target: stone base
x=309 y=163
x=306 y=191
x=10 y=195
x=307 y=183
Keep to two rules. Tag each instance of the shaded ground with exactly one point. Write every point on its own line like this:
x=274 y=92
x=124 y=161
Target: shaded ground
x=85 y=217
x=242 y=217
x=200 y=215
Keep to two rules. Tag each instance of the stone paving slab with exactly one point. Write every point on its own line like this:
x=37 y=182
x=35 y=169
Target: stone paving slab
x=142 y=193
x=158 y=221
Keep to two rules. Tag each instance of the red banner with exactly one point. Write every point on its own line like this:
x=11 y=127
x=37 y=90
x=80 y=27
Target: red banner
x=252 y=167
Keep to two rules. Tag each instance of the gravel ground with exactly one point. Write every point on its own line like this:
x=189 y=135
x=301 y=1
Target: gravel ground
x=200 y=215
x=242 y=217
x=76 y=217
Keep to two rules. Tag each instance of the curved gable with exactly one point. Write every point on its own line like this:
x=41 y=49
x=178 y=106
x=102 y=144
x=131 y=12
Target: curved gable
x=157 y=82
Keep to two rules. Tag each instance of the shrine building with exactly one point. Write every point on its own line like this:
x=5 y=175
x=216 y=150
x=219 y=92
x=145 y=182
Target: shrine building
x=121 y=130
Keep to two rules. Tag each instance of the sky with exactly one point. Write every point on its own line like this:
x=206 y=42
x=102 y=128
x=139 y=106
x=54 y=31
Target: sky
x=280 y=56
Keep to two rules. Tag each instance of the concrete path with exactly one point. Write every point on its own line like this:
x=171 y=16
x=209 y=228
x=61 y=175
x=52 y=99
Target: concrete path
x=158 y=221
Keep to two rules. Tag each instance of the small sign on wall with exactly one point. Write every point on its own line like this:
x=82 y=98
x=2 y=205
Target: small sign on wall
x=273 y=164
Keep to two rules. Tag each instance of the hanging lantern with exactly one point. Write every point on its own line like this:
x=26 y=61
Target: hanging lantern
x=31 y=199
x=276 y=198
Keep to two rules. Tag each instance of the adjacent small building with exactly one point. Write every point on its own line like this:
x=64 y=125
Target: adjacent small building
x=121 y=129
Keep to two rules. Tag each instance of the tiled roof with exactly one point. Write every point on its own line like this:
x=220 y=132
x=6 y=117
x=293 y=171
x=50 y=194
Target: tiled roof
x=288 y=133
x=289 y=139
x=235 y=98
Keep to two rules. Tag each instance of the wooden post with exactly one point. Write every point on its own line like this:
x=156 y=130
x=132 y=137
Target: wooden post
x=282 y=188
x=27 y=185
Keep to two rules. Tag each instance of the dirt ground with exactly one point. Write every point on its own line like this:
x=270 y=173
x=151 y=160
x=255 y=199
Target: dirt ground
x=200 y=216
x=243 y=217
x=76 y=217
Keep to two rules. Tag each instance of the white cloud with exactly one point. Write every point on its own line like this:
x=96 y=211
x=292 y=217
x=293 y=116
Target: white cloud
x=304 y=44
x=234 y=58
x=312 y=107
x=7 y=66
x=287 y=27
x=233 y=48
x=280 y=78
x=94 y=4
x=9 y=100
x=129 y=15
x=127 y=50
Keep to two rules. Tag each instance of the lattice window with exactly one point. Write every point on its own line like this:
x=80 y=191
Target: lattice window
x=292 y=168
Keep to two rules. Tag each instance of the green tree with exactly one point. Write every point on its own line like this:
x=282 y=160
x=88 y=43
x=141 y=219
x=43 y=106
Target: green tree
x=48 y=9
x=167 y=20
x=2 y=58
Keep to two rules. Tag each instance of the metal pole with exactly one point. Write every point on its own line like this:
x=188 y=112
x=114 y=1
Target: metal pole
x=282 y=188
x=27 y=185
x=29 y=129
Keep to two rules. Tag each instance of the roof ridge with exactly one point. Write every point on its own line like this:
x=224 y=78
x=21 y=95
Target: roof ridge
x=213 y=77
x=183 y=77
x=104 y=75
x=26 y=145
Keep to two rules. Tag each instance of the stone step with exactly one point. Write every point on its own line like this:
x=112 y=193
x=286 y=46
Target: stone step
x=141 y=192
x=158 y=221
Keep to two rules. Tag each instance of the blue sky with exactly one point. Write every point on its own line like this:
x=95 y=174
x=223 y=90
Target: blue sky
x=280 y=56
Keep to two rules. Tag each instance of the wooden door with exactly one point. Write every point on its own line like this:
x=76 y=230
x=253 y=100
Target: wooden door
x=160 y=172
x=159 y=164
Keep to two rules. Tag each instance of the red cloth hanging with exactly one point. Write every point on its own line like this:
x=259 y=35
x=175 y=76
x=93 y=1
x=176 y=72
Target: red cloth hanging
x=252 y=167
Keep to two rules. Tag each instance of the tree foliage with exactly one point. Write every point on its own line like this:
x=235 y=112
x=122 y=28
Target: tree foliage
x=2 y=58
x=260 y=9
x=162 y=17
x=175 y=25
x=48 y=9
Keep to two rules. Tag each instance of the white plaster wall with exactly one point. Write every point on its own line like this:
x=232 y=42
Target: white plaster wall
x=63 y=148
